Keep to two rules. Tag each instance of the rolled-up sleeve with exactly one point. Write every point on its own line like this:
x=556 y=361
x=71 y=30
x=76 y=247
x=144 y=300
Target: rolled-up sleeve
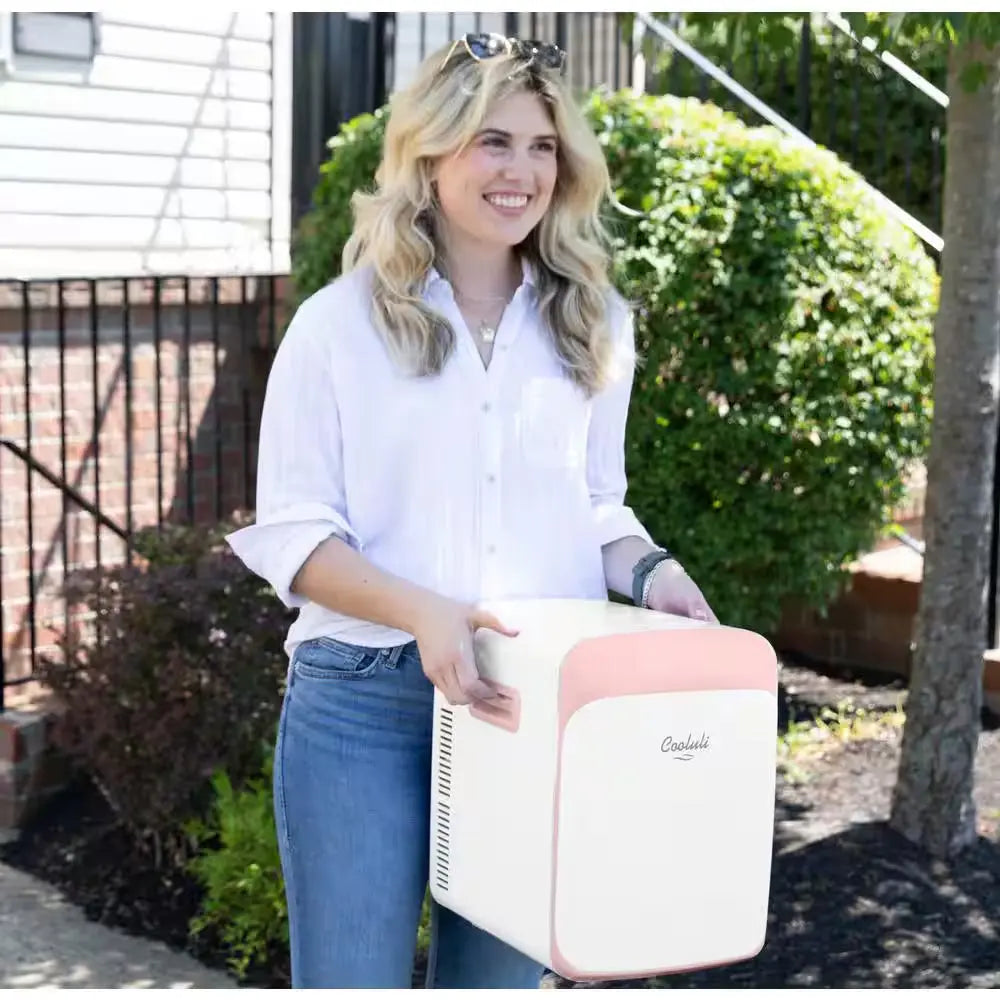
x=300 y=475
x=612 y=518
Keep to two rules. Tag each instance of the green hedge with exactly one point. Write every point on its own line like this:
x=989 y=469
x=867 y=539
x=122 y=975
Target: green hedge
x=354 y=157
x=785 y=325
x=861 y=109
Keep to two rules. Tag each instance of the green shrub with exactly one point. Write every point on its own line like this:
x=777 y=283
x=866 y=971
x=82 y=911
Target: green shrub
x=354 y=157
x=185 y=679
x=239 y=868
x=785 y=325
x=786 y=329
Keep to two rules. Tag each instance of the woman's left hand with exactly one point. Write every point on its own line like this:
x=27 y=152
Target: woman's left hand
x=675 y=593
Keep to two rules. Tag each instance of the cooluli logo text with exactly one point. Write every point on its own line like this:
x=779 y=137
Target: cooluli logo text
x=685 y=750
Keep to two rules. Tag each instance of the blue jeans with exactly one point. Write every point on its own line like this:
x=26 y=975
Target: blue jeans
x=352 y=801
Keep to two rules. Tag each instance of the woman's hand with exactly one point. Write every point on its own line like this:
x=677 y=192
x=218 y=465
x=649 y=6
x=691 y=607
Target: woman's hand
x=674 y=592
x=444 y=639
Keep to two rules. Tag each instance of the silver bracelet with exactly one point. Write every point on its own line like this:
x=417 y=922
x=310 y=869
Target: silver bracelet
x=648 y=582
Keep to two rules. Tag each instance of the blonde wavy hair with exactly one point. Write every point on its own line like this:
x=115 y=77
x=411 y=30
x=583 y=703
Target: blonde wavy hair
x=394 y=226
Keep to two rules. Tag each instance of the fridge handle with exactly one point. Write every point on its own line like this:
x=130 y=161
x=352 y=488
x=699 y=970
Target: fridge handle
x=504 y=711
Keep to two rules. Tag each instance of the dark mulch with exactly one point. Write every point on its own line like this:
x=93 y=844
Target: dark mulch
x=852 y=904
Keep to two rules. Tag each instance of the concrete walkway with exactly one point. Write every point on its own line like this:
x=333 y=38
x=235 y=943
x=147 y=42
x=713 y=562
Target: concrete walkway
x=45 y=941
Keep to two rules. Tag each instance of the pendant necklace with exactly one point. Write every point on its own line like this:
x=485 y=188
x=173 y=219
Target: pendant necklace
x=487 y=331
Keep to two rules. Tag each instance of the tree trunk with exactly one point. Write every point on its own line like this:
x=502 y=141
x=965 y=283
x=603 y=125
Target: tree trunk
x=932 y=803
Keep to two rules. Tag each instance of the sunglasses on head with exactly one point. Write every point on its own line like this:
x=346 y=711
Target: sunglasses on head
x=486 y=45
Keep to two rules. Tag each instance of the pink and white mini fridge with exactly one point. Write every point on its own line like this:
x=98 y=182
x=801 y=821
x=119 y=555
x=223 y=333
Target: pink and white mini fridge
x=613 y=817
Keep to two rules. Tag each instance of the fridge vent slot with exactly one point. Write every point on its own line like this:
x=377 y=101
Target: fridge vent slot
x=442 y=853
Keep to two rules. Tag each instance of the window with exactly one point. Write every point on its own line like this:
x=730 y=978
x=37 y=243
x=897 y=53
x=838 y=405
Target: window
x=33 y=42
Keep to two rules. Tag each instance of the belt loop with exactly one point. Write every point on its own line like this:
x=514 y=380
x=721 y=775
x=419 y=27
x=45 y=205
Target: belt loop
x=392 y=655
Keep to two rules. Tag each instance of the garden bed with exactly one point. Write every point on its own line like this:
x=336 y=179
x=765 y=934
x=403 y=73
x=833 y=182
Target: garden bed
x=852 y=904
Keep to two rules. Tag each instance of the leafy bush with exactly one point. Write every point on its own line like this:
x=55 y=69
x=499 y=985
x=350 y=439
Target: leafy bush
x=860 y=108
x=239 y=866
x=185 y=679
x=786 y=328
x=354 y=157
x=785 y=324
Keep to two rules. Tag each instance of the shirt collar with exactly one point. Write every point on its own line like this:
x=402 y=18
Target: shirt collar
x=434 y=278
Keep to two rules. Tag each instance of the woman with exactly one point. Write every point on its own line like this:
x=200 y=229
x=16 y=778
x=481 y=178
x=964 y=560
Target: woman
x=443 y=425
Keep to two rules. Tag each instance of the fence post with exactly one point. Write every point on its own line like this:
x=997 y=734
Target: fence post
x=342 y=66
x=562 y=35
x=382 y=49
x=805 y=75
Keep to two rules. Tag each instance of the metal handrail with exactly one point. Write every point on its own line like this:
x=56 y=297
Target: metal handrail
x=25 y=456
x=66 y=489
x=916 y=544
x=709 y=68
x=894 y=63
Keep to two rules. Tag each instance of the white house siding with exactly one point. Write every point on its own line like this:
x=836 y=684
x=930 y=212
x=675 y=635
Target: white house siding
x=168 y=154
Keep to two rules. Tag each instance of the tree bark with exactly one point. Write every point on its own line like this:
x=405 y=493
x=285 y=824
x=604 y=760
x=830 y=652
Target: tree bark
x=932 y=802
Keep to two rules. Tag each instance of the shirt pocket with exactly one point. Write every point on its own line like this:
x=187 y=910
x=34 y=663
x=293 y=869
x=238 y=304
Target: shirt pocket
x=552 y=423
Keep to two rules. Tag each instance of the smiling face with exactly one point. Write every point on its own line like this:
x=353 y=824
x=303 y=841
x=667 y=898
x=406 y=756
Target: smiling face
x=496 y=189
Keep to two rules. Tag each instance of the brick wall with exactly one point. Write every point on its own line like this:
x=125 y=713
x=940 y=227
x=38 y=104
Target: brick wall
x=871 y=624
x=30 y=770
x=871 y=627
x=88 y=382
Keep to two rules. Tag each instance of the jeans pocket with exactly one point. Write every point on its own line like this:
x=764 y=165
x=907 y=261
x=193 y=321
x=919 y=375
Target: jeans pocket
x=331 y=659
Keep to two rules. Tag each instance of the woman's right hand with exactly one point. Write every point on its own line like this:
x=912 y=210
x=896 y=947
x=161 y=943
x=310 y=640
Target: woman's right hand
x=444 y=640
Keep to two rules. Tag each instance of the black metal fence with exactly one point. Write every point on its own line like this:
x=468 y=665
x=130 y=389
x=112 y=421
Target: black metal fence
x=125 y=403
x=872 y=110
x=347 y=64
x=133 y=402
x=876 y=113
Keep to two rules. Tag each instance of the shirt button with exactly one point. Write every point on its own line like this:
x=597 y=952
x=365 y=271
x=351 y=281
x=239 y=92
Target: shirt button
x=491 y=549
x=491 y=478
x=487 y=407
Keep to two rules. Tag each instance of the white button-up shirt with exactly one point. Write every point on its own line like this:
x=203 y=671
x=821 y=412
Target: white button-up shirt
x=479 y=483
